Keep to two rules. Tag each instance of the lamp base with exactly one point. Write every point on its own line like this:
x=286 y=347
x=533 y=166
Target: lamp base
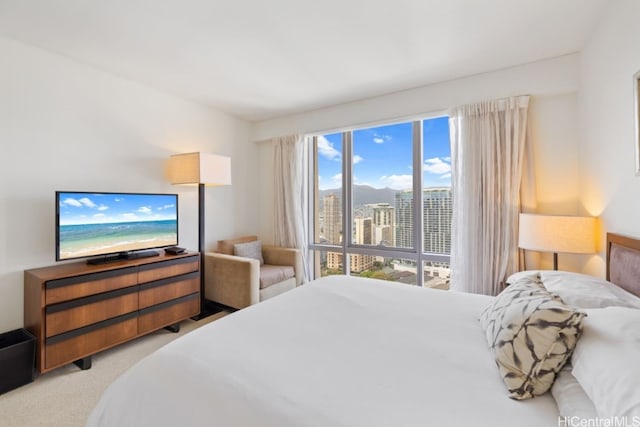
x=207 y=308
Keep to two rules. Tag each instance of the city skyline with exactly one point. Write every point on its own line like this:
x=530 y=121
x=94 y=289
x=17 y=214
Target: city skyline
x=392 y=226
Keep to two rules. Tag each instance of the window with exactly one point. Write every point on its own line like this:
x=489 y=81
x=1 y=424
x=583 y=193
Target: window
x=437 y=206
x=381 y=165
x=366 y=219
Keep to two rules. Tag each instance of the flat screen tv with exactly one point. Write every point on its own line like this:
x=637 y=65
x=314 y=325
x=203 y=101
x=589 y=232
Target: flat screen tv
x=114 y=226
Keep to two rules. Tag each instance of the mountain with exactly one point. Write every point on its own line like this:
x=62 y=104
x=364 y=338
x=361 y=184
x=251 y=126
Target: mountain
x=365 y=194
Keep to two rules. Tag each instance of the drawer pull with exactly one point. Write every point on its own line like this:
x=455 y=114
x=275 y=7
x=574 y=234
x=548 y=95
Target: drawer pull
x=168 y=303
x=67 y=281
x=164 y=264
x=87 y=329
x=55 y=308
x=169 y=280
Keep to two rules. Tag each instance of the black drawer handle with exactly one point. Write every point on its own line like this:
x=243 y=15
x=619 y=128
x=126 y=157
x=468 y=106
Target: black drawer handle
x=162 y=264
x=91 y=277
x=169 y=280
x=169 y=303
x=90 y=299
x=87 y=329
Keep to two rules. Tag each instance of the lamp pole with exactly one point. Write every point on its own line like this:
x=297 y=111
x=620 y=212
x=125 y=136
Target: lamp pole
x=206 y=310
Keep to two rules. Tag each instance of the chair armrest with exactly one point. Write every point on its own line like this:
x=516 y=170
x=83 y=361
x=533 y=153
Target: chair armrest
x=275 y=255
x=231 y=280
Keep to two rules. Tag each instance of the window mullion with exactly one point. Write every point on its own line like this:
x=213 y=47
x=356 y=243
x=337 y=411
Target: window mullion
x=347 y=205
x=314 y=211
x=417 y=200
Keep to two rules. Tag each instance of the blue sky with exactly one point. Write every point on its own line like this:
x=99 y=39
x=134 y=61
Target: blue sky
x=382 y=156
x=88 y=208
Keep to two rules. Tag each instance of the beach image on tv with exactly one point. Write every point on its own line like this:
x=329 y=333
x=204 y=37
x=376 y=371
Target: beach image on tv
x=97 y=224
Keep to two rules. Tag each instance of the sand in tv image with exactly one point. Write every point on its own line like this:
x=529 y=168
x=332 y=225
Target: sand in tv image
x=102 y=223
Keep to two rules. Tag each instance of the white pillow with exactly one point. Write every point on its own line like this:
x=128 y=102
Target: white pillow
x=570 y=397
x=531 y=334
x=605 y=361
x=583 y=291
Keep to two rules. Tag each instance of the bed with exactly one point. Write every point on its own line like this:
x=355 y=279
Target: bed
x=343 y=351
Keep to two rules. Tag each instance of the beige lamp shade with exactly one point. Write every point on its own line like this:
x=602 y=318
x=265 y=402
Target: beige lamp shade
x=556 y=233
x=199 y=168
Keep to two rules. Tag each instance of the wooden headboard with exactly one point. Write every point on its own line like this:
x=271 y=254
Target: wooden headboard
x=623 y=262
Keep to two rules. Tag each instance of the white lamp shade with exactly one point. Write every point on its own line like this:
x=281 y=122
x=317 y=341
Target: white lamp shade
x=199 y=168
x=555 y=233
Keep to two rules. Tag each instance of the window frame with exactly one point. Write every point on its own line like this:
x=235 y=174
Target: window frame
x=347 y=247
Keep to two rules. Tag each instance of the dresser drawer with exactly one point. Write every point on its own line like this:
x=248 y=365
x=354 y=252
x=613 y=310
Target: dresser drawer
x=89 y=284
x=175 y=267
x=153 y=293
x=70 y=346
x=69 y=315
x=168 y=313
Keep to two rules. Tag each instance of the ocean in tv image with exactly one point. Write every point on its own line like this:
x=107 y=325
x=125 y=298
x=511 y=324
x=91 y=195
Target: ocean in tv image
x=102 y=223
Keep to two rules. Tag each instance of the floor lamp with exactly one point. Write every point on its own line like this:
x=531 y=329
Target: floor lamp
x=557 y=233
x=208 y=170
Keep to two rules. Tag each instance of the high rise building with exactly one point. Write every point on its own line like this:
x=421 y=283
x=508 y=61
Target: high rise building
x=362 y=235
x=404 y=219
x=383 y=222
x=332 y=232
x=437 y=210
x=362 y=232
x=332 y=219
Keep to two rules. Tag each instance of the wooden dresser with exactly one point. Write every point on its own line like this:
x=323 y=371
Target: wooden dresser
x=76 y=310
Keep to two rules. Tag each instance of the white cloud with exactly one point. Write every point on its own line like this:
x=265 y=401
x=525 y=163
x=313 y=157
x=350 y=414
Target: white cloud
x=357 y=159
x=446 y=176
x=437 y=166
x=130 y=216
x=327 y=150
x=103 y=208
x=380 y=139
x=357 y=181
x=337 y=179
x=160 y=208
x=99 y=216
x=69 y=201
x=397 y=182
x=87 y=202
x=144 y=210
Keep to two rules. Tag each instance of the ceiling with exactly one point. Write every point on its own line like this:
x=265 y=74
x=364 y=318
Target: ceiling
x=264 y=59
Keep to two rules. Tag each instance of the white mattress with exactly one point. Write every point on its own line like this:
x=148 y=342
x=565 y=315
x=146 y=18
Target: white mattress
x=337 y=352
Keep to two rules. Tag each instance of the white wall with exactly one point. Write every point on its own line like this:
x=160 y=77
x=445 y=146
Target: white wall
x=67 y=126
x=609 y=187
x=553 y=114
x=543 y=78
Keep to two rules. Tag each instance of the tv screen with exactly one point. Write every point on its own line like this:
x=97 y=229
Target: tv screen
x=92 y=224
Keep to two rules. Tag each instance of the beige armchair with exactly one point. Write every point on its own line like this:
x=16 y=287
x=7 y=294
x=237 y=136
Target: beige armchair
x=240 y=281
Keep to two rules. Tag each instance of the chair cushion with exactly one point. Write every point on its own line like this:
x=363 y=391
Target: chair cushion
x=226 y=246
x=272 y=274
x=249 y=250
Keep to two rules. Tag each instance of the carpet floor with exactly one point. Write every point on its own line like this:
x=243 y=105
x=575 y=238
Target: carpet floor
x=66 y=396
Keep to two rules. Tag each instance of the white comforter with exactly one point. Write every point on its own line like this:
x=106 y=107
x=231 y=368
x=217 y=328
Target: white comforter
x=337 y=352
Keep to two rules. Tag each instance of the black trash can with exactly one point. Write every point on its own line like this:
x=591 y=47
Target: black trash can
x=17 y=359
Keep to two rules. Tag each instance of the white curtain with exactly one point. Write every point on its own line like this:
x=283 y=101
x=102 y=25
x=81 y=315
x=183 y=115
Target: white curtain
x=487 y=151
x=290 y=195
